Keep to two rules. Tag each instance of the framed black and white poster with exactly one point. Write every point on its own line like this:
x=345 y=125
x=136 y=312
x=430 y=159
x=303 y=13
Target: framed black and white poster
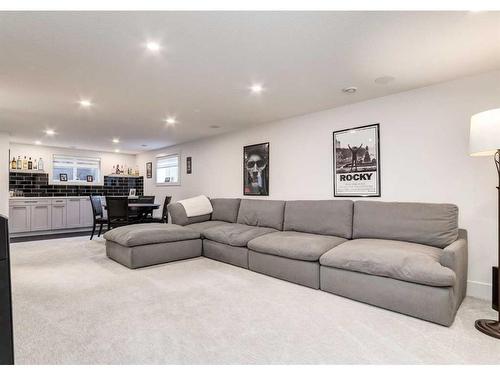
x=90 y=178
x=256 y=169
x=149 y=169
x=189 y=165
x=356 y=162
x=63 y=177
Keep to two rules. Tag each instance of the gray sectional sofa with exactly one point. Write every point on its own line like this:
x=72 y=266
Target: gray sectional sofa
x=406 y=257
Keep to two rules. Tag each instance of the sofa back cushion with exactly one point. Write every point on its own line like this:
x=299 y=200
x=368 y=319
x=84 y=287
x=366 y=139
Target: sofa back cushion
x=225 y=209
x=179 y=217
x=425 y=223
x=261 y=213
x=328 y=217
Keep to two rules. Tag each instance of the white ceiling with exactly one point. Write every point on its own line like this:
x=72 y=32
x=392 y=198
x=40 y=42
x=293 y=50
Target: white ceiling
x=48 y=61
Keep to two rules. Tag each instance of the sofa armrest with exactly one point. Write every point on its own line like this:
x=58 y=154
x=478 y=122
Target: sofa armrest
x=455 y=257
x=178 y=214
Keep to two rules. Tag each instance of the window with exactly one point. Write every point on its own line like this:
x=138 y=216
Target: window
x=76 y=168
x=167 y=170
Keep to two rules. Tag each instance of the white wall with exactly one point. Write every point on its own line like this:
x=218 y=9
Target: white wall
x=108 y=159
x=4 y=174
x=424 y=157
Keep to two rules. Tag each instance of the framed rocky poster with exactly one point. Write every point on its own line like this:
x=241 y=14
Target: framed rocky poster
x=356 y=162
x=256 y=169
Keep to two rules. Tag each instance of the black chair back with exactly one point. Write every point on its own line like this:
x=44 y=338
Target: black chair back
x=96 y=206
x=164 y=215
x=146 y=199
x=117 y=209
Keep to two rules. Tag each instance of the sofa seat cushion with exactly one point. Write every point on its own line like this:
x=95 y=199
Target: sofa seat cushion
x=146 y=234
x=395 y=259
x=235 y=234
x=200 y=227
x=295 y=245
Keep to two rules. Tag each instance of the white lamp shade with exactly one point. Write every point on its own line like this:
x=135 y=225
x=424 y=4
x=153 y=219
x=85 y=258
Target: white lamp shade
x=485 y=133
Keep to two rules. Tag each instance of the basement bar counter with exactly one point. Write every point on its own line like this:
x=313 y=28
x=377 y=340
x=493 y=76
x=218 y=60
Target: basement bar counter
x=30 y=216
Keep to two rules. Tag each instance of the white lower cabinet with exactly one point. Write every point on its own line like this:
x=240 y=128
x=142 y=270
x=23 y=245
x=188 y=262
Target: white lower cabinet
x=73 y=212
x=86 y=214
x=41 y=217
x=46 y=214
x=59 y=215
x=19 y=218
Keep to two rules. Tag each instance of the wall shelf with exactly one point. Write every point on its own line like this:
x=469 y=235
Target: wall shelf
x=122 y=175
x=26 y=171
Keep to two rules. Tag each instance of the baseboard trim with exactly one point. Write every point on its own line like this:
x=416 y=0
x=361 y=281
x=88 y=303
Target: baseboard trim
x=479 y=290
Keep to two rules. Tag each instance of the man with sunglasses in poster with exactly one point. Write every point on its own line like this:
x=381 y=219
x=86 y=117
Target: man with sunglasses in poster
x=256 y=176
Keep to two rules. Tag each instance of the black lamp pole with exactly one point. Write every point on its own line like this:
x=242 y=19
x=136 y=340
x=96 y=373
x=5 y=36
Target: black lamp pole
x=488 y=326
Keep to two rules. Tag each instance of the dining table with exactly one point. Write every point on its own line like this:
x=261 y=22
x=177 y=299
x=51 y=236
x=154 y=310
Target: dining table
x=154 y=206
x=141 y=210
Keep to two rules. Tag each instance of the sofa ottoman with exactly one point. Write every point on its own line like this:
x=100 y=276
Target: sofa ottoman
x=142 y=245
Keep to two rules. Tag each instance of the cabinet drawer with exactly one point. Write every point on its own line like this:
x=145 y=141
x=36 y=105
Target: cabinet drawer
x=28 y=202
x=59 y=201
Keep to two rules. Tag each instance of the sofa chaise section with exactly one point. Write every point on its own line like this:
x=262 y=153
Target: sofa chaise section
x=310 y=229
x=406 y=257
x=142 y=245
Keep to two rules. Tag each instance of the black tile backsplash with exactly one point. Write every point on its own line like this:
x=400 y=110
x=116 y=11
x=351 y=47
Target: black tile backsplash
x=37 y=185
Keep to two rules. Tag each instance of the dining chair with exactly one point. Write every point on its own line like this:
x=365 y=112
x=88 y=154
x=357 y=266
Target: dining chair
x=117 y=208
x=147 y=213
x=98 y=215
x=134 y=213
x=164 y=216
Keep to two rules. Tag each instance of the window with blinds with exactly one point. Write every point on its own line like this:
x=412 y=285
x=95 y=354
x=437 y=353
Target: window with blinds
x=167 y=169
x=76 y=169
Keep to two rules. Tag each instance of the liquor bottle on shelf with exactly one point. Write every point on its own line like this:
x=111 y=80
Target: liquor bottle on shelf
x=40 y=164
x=19 y=163
x=13 y=164
x=25 y=163
x=35 y=165
x=30 y=164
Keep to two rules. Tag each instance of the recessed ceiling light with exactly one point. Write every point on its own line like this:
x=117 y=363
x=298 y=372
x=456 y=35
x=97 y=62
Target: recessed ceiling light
x=349 y=90
x=171 y=120
x=116 y=140
x=50 y=132
x=384 y=80
x=85 y=103
x=38 y=142
x=214 y=126
x=153 y=46
x=256 y=88
x=117 y=150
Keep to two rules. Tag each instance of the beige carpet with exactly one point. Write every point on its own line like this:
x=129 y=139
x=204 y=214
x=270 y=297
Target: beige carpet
x=72 y=305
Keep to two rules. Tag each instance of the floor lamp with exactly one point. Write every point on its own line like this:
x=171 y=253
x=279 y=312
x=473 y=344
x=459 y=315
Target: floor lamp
x=484 y=141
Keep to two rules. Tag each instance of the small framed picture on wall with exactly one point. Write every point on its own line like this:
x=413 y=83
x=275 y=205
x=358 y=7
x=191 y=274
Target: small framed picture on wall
x=189 y=165
x=63 y=177
x=356 y=162
x=149 y=169
x=90 y=178
x=256 y=169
